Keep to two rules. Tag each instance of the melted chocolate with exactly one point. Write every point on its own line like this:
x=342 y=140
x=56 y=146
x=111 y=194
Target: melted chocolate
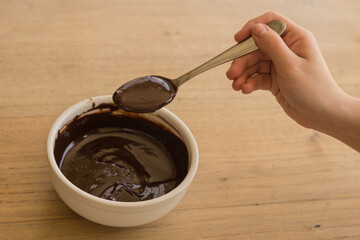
x=120 y=157
x=145 y=94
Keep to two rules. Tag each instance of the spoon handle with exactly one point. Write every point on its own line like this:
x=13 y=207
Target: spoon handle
x=236 y=51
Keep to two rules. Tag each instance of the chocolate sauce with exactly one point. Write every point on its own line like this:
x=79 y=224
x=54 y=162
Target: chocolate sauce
x=120 y=157
x=145 y=94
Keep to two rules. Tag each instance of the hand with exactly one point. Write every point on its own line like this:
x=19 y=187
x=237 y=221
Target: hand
x=293 y=69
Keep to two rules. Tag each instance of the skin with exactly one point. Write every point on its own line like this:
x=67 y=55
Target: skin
x=293 y=69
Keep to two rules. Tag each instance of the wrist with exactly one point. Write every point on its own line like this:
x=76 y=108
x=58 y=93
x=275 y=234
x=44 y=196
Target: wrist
x=343 y=121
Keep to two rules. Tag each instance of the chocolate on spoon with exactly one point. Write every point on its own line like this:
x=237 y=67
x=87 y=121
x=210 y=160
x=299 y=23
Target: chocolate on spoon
x=150 y=93
x=145 y=94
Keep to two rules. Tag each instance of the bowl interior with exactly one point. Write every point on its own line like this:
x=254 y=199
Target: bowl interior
x=163 y=117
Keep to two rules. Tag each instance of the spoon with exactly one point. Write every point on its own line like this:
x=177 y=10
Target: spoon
x=150 y=93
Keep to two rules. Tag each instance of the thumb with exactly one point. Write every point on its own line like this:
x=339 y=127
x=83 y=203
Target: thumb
x=271 y=44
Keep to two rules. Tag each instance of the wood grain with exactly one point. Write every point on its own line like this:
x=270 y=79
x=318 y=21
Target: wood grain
x=261 y=176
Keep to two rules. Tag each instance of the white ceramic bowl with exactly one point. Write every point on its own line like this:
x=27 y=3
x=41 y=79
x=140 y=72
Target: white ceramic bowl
x=111 y=213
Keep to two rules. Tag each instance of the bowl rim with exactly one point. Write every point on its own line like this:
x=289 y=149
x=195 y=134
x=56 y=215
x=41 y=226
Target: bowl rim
x=85 y=105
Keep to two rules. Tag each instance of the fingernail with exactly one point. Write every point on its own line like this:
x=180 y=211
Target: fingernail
x=259 y=29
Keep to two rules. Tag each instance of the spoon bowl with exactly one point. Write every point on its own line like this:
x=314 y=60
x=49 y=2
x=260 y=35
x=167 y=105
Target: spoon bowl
x=150 y=93
x=145 y=94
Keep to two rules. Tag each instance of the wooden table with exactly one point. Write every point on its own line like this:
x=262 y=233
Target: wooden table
x=261 y=176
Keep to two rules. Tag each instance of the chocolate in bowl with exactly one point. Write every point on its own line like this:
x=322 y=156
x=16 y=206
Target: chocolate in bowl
x=120 y=156
x=119 y=213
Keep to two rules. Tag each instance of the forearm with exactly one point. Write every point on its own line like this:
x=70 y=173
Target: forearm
x=344 y=122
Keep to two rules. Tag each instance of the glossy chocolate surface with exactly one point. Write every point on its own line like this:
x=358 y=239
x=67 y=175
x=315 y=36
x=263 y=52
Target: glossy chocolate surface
x=120 y=157
x=145 y=94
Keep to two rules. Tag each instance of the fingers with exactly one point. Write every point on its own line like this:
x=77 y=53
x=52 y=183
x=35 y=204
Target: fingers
x=256 y=82
x=239 y=65
x=272 y=45
x=258 y=68
x=261 y=76
x=291 y=36
x=268 y=17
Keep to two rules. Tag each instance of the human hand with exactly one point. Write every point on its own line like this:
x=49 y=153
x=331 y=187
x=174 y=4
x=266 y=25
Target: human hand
x=292 y=68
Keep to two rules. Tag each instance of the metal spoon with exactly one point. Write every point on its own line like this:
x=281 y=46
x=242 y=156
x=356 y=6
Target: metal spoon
x=150 y=93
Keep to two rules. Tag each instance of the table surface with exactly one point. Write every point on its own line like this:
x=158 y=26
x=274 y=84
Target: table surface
x=261 y=176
